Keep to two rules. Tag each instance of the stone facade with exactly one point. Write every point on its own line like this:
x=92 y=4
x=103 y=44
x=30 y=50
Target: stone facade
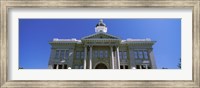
x=102 y=51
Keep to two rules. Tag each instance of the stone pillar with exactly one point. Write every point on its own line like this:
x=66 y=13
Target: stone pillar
x=118 y=60
x=152 y=59
x=140 y=66
x=90 y=61
x=146 y=66
x=112 y=57
x=57 y=66
x=84 y=63
x=62 y=66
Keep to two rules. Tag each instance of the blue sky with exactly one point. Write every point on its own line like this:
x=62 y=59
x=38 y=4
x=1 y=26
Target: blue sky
x=34 y=35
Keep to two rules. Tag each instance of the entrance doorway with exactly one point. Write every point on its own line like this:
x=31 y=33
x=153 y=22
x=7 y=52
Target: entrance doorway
x=101 y=66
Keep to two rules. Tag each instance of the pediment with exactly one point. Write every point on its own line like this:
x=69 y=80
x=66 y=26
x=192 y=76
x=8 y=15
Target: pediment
x=100 y=36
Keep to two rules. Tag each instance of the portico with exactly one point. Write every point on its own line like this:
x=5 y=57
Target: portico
x=112 y=58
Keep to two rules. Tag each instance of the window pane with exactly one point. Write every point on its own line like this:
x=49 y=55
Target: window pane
x=101 y=54
x=57 y=53
x=95 y=53
x=137 y=66
x=55 y=66
x=125 y=55
x=121 y=67
x=140 y=54
x=145 y=54
x=65 y=66
x=106 y=54
x=120 y=55
x=82 y=55
x=143 y=66
x=126 y=66
x=135 y=54
x=62 y=54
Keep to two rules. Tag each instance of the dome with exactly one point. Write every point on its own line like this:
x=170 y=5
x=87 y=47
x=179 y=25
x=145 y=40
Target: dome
x=101 y=23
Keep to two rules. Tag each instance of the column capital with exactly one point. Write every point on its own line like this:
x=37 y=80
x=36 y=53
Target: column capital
x=90 y=61
x=85 y=50
x=118 y=60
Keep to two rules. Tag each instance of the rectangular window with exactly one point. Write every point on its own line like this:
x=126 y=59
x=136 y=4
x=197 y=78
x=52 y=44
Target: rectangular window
x=120 y=55
x=125 y=55
x=126 y=66
x=65 y=66
x=121 y=67
x=55 y=66
x=140 y=54
x=143 y=66
x=95 y=53
x=62 y=52
x=135 y=54
x=137 y=66
x=106 y=54
x=82 y=55
x=101 y=54
x=67 y=54
x=77 y=55
x=57 y=53
x=145 y=55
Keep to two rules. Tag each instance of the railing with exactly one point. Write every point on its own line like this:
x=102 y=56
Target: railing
x=66 y=40
x=56 y=39
x=147 y=39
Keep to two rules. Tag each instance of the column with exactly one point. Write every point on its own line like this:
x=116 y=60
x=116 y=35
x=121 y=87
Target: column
x=84 y=67
x=146 y=66
x=62 y=66
x=90 y=67
x=57 y=66
x=112 y=57
x=140 y=66
x=118 y=60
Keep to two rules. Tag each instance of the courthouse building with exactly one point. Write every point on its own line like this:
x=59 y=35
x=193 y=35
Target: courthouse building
x=101 y=51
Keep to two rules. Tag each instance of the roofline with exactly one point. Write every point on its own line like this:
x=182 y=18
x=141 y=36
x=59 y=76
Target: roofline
x=99 y=33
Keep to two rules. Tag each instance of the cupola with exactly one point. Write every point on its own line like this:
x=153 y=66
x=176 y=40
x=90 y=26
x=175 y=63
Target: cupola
x=101 y=27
